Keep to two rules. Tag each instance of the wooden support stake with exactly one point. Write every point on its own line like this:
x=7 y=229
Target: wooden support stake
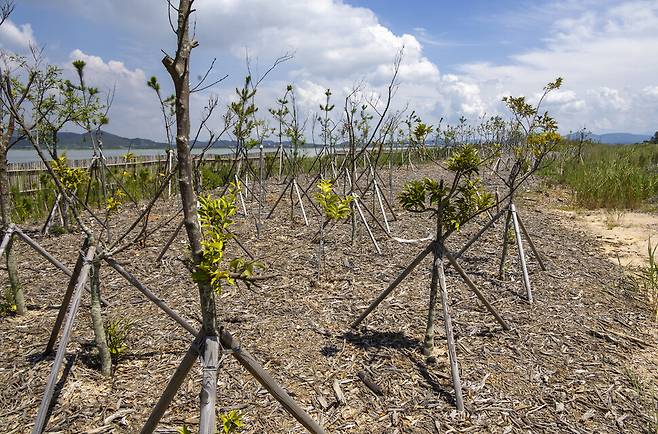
x=381 y=207
x=250 y=364
x=450 y=338
x=283 y=192
x=51 y=215
x=474 y=288
x=170 y=240
x=532 y=244
x=519 y=243
x=40 y=250
x=172 y=387
x=207 y=420
x=503 y=255
x=363 y=219
x=417 y=260
x=299 y=198
x=477 y=236
x=66 y=300
x=150 y=295
x=5 y=240
x=40 y=422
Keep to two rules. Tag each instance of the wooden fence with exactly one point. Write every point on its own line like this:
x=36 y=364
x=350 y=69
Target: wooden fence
x=32 y=176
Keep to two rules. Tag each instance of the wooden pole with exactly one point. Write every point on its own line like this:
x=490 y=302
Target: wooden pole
x=381 y=207
x=299 y=198
x=210 y=360
x=519 y=243
x=363 y=219
x=5 y=240
x=450 y=337
x=279 y=199
x=51 y=215
x=501 y=268
x=150 y=295
x=42 y=251
x=172 y=387
x=40 y=422
x=417 y=260
x=532 y=244
x=66 y=300
x=170 y=240
x=264 y=378
x=474 y=288
x=477 y=236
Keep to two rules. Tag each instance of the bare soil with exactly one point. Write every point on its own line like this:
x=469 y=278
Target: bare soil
x=581 y=359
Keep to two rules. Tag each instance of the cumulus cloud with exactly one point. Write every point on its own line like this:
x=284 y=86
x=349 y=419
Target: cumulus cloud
x=16 y=37
x=608 y=58
x=607 y=52
x=134 y=111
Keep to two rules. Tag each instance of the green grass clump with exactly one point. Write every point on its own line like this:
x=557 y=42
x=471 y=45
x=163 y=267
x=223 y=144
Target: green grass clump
x=612 y=177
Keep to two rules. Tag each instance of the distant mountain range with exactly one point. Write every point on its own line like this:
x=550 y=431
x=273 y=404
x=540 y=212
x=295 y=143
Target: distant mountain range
x=614 y=138
x=113 y=141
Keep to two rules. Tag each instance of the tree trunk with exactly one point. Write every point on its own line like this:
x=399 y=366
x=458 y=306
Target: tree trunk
x=97 y=320
x=14 y=294
x=178 y=69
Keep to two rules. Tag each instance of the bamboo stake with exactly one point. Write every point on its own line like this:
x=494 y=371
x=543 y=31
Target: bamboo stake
x=51 y=215
x=474 y=288
x=40 y=422
x=5 y=240
x=363 y=219
x=519 y=243
x=172 y=387
x=299 y=198
x=413 y=264
x=149 y=294
x=381 y=207
x=66 y=300
x=209 y=390
x=477 y=236
x=283 y=192
x=532 y=244
x=40 y=250
x=264 y=378
x=501 y=268
x=170 y=240
x=450 y=337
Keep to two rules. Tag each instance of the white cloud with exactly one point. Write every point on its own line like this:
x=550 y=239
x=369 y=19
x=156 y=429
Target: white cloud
x=134 y=111
x=16 y=37
x=606 y=51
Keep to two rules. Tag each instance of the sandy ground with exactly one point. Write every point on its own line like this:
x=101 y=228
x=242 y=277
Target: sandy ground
x=625 y=234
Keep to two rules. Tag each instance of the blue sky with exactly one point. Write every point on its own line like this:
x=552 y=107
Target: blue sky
x=460 y=57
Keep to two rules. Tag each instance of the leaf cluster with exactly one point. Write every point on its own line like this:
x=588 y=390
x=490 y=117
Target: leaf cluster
x=215 y=217
x=232 y=421
x=334 y=206
x=70 y=178
x=116 y=335
x=454 y=205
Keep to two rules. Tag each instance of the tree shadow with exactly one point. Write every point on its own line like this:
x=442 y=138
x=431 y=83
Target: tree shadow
x=432 y=381
x=376 y=339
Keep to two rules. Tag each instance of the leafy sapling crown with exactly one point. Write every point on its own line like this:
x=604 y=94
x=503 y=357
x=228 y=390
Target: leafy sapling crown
x=454 y=205
x=215 y=217
x=334 y=206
